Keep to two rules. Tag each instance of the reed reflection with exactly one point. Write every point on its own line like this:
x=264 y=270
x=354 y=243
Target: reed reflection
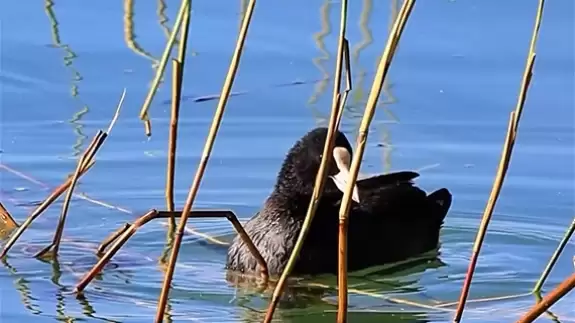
x=23 y=288
x=163 y=18
x=69 y=57
x=130 y=35
x=384 y=130
x=323 y=57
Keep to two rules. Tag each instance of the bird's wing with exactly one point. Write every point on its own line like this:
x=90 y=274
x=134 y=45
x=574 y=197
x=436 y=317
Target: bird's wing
x=383 y=180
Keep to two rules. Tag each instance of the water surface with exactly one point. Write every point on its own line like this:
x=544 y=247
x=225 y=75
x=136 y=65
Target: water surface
x=445 y=110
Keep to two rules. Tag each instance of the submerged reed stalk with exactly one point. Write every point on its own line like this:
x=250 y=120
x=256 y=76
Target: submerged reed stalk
x=503 y=164
x=338 y=103
x=86 y=158
x=377 y=86
x=555 y=295
x=116 y=240
x=226 y=89
x=554 y=258
x=162 y=65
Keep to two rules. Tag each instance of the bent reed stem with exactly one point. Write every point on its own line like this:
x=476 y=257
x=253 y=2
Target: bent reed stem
x=118 y=238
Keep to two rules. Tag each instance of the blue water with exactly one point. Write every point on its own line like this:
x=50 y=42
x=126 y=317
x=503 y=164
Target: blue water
x=444 y=111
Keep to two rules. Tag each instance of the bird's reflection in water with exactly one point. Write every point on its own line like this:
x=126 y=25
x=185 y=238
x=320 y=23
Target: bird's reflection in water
x=314 y=299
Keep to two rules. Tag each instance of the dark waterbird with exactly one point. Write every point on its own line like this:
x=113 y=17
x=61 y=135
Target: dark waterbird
x=390 y=218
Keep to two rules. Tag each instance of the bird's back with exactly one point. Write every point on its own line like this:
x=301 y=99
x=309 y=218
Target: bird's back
x=394 y=221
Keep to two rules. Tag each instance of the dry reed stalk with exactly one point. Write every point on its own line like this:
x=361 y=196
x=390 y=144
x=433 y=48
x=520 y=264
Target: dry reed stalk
x=87 y=157
x=147 y=125
x=377 y=86
x=556 y=294
x=119 y=238
x=7 y=219
x=226 y=89
x=173 y=137
x=342 y=97
x=498 y=183
x=554 y=258
x=38 y=210
x=177 y=81
x=338 y=102
x=503 y=163
x=90 y=151
x=110 y=239
x=163 y=61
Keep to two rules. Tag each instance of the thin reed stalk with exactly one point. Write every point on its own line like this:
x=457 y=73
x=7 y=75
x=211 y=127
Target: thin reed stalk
x=38 y=210
x=7 y=219
x=173 y=137
x=183 y=44
x=554 y=258
x=119 y=238
x=555 y=295
x=87 y=157
x=203 y=162
x=90 y=151
x=338 y=102
x=162 y=65
x=342 y=97
x=111 y=238
x=377 y=86
x=177 y=80
x=503 y=164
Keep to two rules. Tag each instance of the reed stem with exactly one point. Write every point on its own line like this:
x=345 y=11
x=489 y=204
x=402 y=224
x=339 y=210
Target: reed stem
x=87 y=157
x=503 y=164
x=38 y=211
x=338 y=102
x=554 y=258
x=177 y=81
x=377 y=86
x=90 y=151
x=110 y=239
x=555 y=295
x=120 y=236
x=173 y=137
x=203 y=163
x=162 y=65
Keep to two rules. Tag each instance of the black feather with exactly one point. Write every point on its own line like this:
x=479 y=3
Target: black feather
x=394 y=221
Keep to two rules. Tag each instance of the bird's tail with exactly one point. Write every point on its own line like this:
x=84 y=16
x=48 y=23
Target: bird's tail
x=441 y=202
